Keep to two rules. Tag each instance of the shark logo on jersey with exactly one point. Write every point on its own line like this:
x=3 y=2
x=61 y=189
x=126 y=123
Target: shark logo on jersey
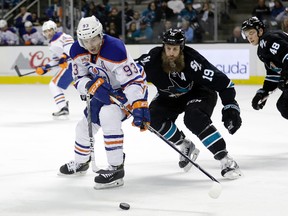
x=262 y=43
x=175 y=90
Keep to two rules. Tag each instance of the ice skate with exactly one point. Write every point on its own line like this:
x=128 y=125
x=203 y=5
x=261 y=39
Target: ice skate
x=62 y=112
x=188 y=148
x=74 y=169
x=110 y=178
x=229 y=168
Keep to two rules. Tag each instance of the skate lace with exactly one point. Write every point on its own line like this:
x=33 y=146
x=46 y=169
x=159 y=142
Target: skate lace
x=107 y=175
x=229 y=162
x=73 y=166
x=186 y=147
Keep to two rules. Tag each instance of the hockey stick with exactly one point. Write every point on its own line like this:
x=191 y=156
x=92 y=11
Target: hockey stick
x=266 y=97
x=32 y=72
x=215 y=190
x=91 y=137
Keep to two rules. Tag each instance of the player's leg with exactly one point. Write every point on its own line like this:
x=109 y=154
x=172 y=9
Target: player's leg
x=111 y=121
x=197 y=120
x=163 y=114
x=282 y=104
x=58 y=84
x=80 y=165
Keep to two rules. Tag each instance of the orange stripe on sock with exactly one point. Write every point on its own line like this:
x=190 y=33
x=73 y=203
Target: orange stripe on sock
x=113 y=142
x=59 y=98
x=82 y=150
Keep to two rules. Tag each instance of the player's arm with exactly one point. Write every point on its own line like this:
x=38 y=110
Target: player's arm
x=208 y=75
x=143 y=59
x=277 y=48
x=81 y=76
x=231 y=110
x=133 y=82
x=270 y=84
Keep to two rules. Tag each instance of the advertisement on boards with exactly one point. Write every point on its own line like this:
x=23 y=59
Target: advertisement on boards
x=27 y=58
x=233 y=62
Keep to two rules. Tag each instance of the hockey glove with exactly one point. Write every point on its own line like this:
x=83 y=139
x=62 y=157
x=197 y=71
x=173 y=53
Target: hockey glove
x=259 y=100
x=63 y=61
x=141 y=115
x=231 y=117
x=100 y=89
x=43 y=70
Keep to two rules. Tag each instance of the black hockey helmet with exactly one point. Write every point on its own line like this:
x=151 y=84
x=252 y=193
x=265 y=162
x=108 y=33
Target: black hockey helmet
x=252 y=23
x=174 y=37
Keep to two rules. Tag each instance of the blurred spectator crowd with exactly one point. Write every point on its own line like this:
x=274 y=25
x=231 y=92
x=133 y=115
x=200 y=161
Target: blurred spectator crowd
x=146 y=26
x=26 y=27
x=196 y=18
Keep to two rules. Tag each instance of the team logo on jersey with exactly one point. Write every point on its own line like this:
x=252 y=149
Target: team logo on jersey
x=175 y=90
x=85 y=59
x=195 y=65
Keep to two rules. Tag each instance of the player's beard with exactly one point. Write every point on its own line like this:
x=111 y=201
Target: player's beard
x=176 y=65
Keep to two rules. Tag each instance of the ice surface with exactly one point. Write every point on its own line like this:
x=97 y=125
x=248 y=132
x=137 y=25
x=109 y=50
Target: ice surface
x=34 y=146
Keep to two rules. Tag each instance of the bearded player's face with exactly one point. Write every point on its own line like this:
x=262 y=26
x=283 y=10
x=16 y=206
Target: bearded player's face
x=172 y=51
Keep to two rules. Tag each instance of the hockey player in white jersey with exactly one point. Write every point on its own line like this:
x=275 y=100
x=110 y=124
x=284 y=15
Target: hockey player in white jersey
x=59 y=47
x=31 y=36
x=8 y=35
x=102 y=66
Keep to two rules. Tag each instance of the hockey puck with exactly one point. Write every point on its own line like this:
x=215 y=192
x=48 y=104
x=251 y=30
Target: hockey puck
x=124 y=206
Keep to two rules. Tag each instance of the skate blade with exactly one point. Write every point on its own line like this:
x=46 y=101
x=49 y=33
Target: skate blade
x=116 y=183
x=194 y=154
x=233 y=174
x=61 y=117
x=72 y=175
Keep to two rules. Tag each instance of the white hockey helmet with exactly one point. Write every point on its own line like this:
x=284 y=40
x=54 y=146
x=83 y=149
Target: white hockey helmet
x=89 y=27
x=28 y=24
x=49 y=25
x=3 y=23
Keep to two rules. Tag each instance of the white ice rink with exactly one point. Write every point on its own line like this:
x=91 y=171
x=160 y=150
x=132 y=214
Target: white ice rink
x=34 y=146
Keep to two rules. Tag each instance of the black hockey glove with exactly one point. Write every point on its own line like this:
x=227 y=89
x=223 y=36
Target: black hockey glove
x=231 y=117
x=259 y=100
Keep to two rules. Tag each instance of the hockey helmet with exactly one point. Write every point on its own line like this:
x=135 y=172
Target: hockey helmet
x=252 y=23
x=49 y=25
x=28 y=24
x=174 y=37
x=3 y=23
x=89 y=27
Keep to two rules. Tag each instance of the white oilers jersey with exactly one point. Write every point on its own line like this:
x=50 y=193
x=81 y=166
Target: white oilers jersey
x=59 y=44
x=9 y=37
x=33 y=37
x=114 y=64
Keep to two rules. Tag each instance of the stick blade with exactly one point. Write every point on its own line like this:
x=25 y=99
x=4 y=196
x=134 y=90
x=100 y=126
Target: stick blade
x=17 y=70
